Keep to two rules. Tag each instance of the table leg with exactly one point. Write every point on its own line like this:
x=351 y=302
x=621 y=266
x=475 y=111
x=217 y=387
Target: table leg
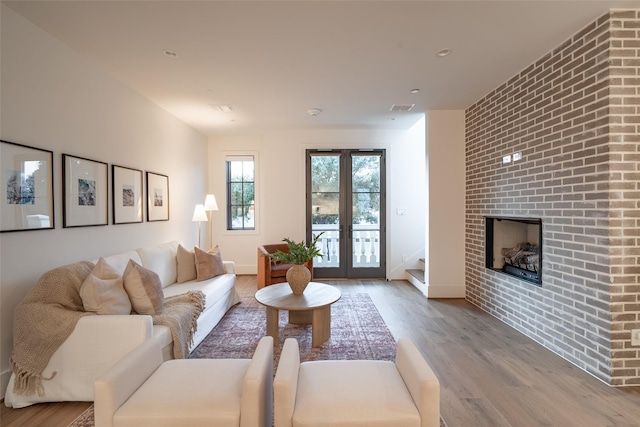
x=300 y=317
x=320 y=326
x=272 y=324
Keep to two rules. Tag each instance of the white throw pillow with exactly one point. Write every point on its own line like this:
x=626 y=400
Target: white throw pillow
x=103 y=292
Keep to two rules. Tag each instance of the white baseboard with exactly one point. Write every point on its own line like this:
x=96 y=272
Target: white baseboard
x=446 y=291
x=437 y=291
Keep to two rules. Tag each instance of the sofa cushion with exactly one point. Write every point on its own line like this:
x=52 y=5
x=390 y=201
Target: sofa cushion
x=162 y=260
x=208 y=264
x=353 y=393
x=120 y=261
x=144 y=289
x=213 y=395
x=186 y=265
x=103 y=292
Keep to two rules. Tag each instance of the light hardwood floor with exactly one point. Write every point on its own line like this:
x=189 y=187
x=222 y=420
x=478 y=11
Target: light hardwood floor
x=490 y=374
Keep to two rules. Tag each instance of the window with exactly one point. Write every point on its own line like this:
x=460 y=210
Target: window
x=240 y=193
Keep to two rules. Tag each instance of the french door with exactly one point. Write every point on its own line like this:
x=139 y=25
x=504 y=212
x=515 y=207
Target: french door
x=346 y=203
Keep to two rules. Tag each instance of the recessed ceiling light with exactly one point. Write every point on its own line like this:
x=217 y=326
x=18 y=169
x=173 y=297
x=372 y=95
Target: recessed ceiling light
x=444 y=52
x=314 y=111
x=170 y=53
x=414 y=91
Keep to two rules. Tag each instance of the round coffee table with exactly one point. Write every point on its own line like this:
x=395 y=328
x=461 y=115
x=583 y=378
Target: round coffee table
x=313 y=306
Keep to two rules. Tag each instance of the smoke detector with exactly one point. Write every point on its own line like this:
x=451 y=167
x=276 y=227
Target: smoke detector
x=314 y=111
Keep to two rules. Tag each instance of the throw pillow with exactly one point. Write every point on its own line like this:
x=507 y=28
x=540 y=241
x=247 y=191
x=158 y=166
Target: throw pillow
x=144 y=289
x=186 y=265
x=208 y=264
x=103 y=292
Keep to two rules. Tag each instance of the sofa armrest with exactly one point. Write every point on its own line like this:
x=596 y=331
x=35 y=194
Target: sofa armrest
x=264 y=268
x=420 y=380
x=285 y=384
x=119 y=382
x=96 y=343
x=256 y=408
x=229 y=267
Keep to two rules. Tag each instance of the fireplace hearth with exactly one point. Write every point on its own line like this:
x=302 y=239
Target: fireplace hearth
x=514 y=247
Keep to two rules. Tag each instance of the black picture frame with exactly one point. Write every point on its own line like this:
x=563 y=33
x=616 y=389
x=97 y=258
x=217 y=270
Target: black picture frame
x=126 y=191
x=26 y=181
x=85 y=192
x=157 y=197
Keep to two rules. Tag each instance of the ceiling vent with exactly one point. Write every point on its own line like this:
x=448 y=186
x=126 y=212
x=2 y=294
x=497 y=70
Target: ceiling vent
x=402 y=107
x=224 y=108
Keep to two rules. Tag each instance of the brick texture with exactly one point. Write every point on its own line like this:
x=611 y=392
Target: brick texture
x=575 y=117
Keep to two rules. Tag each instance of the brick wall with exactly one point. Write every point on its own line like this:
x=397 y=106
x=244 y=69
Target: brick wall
x=575 y=117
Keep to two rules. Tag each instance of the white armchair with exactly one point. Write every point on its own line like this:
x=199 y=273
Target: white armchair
x=141 y=390
x=356 y=392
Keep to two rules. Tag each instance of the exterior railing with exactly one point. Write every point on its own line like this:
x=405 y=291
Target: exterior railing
x=366 y=246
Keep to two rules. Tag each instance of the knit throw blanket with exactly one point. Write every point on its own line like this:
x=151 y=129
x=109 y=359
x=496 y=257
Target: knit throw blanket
x=180 y=314
x=49 y=313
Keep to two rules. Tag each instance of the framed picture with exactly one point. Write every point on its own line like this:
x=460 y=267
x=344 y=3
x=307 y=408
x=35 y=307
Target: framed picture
x=127 y=194
x=27 y=188
x=84 y=192
x=157 y=197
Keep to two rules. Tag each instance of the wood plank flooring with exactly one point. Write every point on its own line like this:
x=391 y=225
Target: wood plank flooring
x=490 y=374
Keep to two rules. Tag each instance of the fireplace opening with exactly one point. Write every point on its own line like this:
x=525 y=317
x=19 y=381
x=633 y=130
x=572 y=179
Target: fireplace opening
x=514 y=247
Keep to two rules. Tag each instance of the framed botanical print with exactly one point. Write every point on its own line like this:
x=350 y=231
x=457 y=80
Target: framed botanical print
x=26 y=178
x=157 y=197
x=84 y=192
x=127 y=194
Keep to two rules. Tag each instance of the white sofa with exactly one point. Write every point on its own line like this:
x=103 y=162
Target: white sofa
x=99 y=341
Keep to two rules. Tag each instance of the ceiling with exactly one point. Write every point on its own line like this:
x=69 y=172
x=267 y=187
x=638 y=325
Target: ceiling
x=272 y=61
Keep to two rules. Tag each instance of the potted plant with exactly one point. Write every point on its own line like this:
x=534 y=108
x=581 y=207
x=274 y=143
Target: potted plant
x=298 y=276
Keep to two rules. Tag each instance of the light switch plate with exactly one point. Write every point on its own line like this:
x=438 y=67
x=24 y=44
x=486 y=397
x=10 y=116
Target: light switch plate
x=635 y=337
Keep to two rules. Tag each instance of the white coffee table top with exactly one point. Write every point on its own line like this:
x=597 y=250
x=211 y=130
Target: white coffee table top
x=281 y=297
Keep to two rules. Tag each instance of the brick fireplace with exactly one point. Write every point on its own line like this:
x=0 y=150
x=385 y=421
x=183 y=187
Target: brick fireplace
x=572 y=119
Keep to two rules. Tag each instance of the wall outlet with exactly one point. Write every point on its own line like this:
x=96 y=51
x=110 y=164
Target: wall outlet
x=517 y=156
x=635 y=337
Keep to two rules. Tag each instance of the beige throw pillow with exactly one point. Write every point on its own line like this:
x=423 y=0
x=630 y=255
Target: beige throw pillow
x=208 y=264
x=102 y=291
x=186 y=265
x=144 y=289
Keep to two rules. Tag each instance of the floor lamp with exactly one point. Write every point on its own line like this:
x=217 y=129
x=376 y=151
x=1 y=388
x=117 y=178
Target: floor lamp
x=210 y=205
x=199 y=215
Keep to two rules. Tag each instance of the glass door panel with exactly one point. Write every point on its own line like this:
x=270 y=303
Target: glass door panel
x=346 y=192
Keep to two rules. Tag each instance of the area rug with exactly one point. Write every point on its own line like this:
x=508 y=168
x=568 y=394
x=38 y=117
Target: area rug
x=357 y=332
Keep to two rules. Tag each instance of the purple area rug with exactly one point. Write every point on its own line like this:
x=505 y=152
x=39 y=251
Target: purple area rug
x=357 y=332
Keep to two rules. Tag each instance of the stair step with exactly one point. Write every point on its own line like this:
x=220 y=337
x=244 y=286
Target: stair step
x=418 y=274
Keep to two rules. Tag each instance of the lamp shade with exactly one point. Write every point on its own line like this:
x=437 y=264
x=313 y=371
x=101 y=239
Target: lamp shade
x=210 y=203
x=199 y=214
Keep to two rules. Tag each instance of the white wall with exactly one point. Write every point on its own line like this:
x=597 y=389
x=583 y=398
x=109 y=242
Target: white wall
x=281 y=189
x=52 y=98
x=445 y=235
